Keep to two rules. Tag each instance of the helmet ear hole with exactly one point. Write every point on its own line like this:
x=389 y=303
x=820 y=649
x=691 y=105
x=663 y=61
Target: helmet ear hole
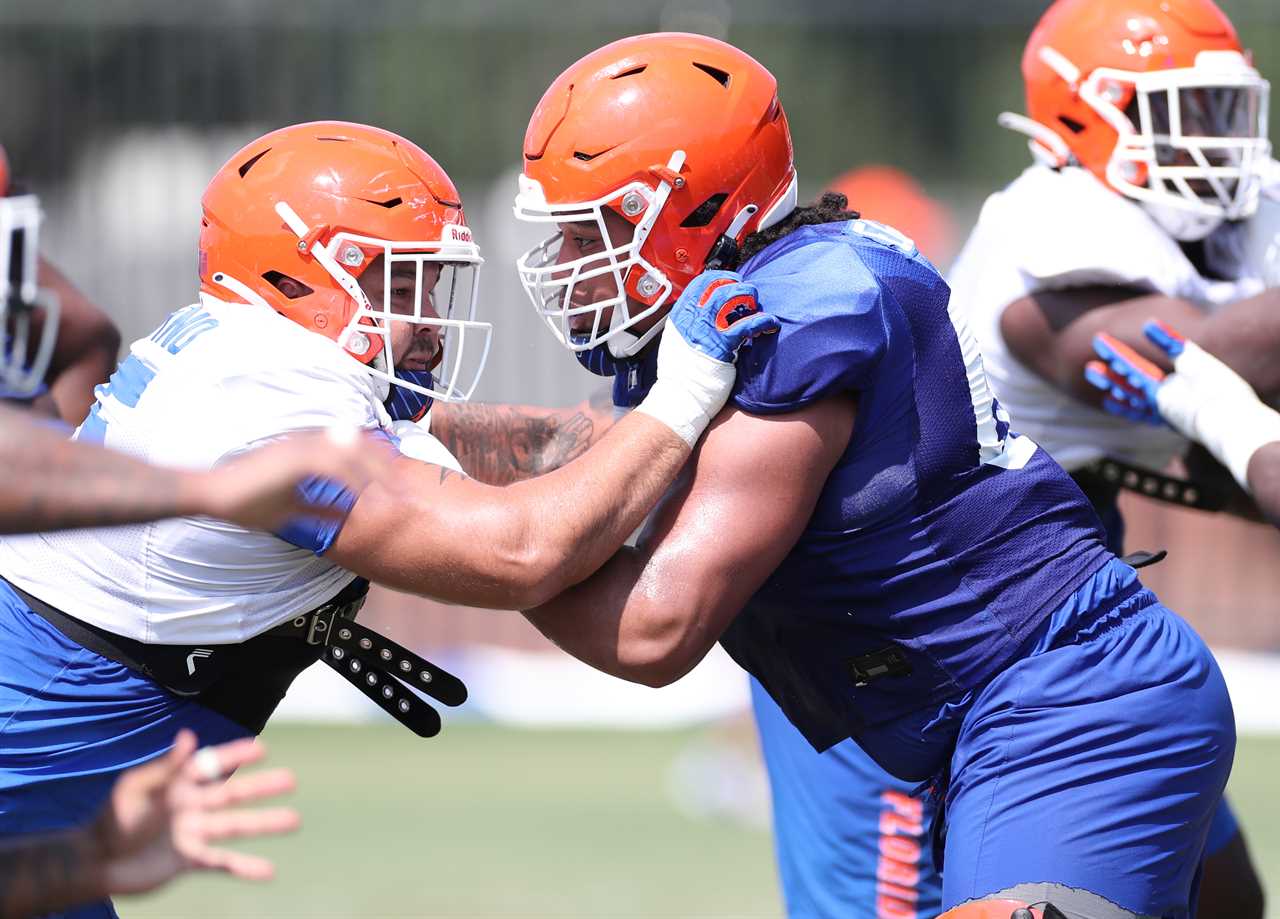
x=290 y=287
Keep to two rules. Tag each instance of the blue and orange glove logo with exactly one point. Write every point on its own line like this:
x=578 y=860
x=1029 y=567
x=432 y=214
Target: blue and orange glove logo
x=719 y=312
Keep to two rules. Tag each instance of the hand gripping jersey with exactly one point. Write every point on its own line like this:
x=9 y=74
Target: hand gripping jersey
x=1059 y=229
x=214 y=380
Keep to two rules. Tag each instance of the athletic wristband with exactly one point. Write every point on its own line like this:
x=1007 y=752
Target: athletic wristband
x=1207 y=401
x=691 y=388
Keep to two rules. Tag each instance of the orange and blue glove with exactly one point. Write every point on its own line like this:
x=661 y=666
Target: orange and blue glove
x=718 y=313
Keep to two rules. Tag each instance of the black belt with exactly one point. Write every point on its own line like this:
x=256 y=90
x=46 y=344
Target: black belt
x=245 y=682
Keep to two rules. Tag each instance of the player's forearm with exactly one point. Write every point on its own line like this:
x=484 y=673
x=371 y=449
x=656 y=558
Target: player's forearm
x=51 y=483
x=1264 y=480
x=44 y=874
x=1246 y=336
x=559 y=528
x=502 y=444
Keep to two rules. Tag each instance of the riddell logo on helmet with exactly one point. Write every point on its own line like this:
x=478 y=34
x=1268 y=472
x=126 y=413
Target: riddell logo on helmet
x=456 y=233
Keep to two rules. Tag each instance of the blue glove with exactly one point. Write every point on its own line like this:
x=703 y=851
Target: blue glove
x=1130 y=381
x=718 y=313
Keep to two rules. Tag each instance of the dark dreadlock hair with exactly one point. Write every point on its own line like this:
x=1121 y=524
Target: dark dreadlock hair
x=832 y=207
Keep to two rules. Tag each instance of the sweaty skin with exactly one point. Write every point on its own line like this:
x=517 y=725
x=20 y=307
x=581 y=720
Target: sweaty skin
x=654 y=611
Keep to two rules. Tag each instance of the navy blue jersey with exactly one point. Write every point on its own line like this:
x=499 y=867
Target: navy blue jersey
x=940 y=541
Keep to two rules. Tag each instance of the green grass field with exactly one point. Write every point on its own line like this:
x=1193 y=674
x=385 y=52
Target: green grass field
x=493 y=822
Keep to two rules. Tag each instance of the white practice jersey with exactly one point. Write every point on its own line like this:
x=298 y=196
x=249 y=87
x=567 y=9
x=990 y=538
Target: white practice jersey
x=1061 y=229
x=215 y=380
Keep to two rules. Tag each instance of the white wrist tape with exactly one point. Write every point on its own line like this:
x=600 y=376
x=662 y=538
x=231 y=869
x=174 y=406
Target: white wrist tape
x=691 y=387
x=1209 y=402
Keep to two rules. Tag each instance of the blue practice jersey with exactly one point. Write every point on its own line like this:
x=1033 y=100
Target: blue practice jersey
x=941 y=540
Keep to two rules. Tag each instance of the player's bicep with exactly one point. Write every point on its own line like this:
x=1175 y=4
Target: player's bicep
x=1051 y=331
x=755 y=482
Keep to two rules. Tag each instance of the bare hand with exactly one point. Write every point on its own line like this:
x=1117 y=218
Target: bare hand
x=260 y=489
x=163 y=816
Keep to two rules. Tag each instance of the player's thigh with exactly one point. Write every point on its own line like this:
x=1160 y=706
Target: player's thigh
x=1097 y=766
x=851 y=840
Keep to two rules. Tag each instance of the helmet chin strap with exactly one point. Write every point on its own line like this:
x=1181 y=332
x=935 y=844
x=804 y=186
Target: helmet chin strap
x=1181 y=224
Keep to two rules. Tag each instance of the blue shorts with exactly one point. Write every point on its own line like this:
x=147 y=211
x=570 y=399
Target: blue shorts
x=1096 y=762
x=850 y=839
x=827 y=808
x=71 y=721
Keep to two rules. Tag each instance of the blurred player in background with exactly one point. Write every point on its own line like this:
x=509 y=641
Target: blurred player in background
x=334 y=266
x=922 y=580
x=58 y=345
x=1148 y=130
x=161 y=820
x=1203 y=399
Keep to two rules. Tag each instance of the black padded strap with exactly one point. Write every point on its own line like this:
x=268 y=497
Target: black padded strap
x=1158 y=486
x=382 y=669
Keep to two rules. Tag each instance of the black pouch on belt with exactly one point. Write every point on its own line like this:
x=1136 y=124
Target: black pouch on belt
x=245 y=682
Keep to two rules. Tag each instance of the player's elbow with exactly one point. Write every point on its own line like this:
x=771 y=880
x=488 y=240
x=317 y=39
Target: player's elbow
x=529 y=571
x=663 y=651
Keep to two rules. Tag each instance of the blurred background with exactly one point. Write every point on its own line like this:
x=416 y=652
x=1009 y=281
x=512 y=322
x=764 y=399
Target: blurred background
x=118 y=111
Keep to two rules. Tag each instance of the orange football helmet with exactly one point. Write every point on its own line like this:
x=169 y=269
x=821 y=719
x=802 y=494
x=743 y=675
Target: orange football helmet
x=23 y=363
x=1157 y=98
x=890 y=196
x=319 y=203
x=682 y=136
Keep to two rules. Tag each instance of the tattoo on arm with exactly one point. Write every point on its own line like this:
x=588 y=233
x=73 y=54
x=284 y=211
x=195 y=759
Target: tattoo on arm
x=501 y=444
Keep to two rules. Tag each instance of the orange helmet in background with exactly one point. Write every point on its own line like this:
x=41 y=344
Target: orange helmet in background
x=890 y=196
x=682 y=136
x=4 y=173
x=319 y=203
x=1156 y=98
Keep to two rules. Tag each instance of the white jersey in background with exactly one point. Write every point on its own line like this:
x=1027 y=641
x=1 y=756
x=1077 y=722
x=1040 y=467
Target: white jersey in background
x=1057 y=229
x=214 y=380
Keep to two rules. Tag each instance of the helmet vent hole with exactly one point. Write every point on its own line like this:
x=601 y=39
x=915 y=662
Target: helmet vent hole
x=705 y=212
x=720 y=76
x=1071 y=124
x=630 y=73
x=249 y=163
x=290 y=287
x=388 y=204
x=585 y=157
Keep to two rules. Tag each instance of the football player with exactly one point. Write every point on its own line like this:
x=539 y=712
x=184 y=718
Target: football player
x=1147 y=124
x=849 y=838
x=859 y=528
x=337 y=288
